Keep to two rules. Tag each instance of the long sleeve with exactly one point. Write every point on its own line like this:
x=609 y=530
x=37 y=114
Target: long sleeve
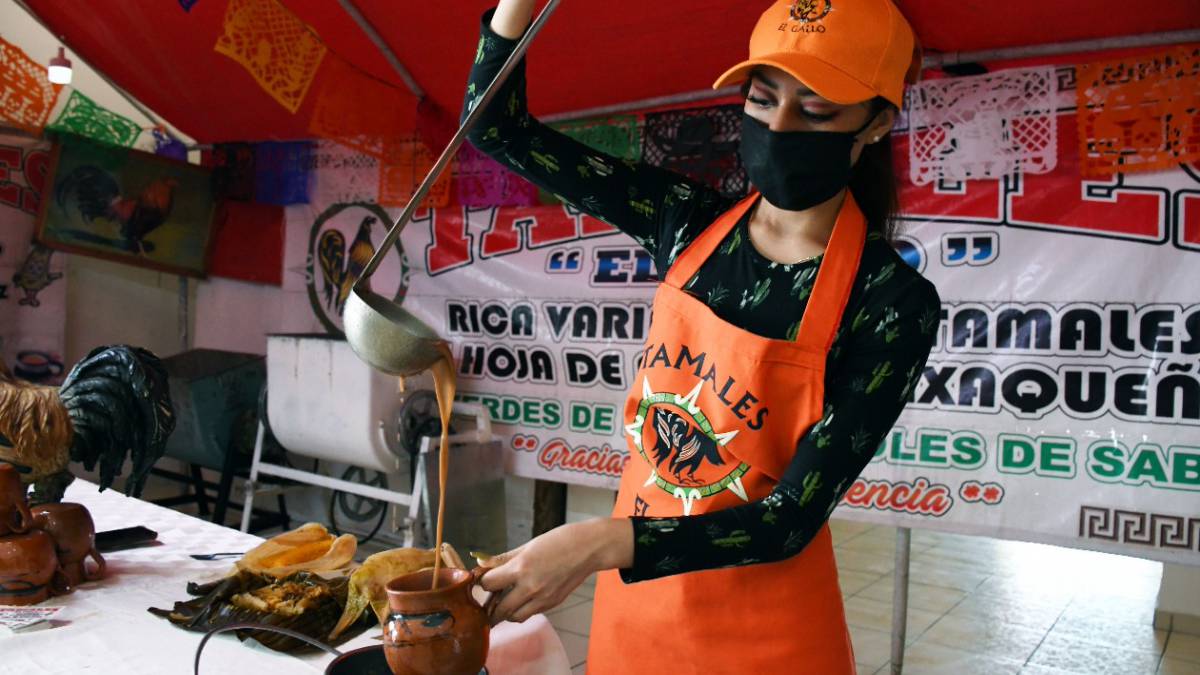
x=890 y=339
x=648 y=203
x=876 y=359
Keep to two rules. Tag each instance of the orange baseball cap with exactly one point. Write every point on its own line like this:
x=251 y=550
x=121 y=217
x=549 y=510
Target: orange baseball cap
x=847 y=51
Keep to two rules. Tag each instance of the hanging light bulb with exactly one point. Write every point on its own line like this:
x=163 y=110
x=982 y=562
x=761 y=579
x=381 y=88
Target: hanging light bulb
x=60 y=68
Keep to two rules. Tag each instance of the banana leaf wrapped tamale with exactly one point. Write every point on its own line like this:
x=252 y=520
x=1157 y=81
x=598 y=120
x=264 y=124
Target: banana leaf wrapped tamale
x=304 y=602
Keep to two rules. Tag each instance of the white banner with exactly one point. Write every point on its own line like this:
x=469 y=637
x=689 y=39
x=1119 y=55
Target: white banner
x=556 y=360
x=1061 y=403
x=547 y=310
x=33 y=290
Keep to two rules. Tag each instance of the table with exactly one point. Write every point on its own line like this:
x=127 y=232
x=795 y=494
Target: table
x=104 y=626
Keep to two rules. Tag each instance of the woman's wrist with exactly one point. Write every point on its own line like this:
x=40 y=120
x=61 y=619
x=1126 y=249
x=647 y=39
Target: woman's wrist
x=611 y=543
x=511 y=18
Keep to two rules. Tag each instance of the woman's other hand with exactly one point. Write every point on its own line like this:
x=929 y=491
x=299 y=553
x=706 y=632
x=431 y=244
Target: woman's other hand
x=539 y=575
x=512 y=17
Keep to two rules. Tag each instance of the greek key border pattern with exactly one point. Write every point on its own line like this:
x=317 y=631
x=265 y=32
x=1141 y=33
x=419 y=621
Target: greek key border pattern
x=1159 y=530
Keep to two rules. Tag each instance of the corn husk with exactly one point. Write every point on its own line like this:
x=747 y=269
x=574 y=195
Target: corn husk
x=451 y=558
x=309 y=548
x=368 y=583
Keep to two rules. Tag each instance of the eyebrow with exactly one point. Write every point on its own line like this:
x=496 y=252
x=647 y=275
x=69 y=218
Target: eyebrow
x=774 y=86
x=766 y=81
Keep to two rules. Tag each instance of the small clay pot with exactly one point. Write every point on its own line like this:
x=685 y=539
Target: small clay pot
x=14 y=510
x=74 y=536
x=29 y=570
x=435 y=632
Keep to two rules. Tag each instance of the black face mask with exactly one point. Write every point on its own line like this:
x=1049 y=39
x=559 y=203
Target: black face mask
x=796 y=170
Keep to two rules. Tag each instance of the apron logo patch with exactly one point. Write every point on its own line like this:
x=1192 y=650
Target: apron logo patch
x=677 y=440
x=808 y=11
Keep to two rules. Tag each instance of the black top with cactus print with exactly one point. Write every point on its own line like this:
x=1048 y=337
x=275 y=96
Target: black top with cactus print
x=877 y=357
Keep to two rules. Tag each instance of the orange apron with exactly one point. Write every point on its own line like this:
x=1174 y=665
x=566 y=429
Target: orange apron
x=713 y=420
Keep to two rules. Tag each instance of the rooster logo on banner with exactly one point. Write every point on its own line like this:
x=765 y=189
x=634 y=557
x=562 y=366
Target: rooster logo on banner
x=338 y=273
x=341 y=243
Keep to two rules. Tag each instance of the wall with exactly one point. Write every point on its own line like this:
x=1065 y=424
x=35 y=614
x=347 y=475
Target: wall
x=107 y=303
x=110 y=303
x=588 y=502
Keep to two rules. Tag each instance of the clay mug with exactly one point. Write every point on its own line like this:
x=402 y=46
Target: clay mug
x=29 y=570
x=74 y=534
x=14 y=510
x=436 y=632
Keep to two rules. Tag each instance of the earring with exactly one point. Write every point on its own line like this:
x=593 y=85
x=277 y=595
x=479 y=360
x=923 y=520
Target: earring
x=876 y=139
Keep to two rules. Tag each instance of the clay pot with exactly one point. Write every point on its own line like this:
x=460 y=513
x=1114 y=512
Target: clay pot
x=442 y=632
x=29 y=570
x=74 y=536
x=14 y=510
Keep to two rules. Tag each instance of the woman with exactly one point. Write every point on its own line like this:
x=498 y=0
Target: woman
x=787 y=337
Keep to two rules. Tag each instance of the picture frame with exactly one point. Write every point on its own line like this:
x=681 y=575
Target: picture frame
x=127 y=206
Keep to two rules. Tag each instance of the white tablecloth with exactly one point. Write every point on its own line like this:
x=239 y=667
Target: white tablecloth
x=104 y=626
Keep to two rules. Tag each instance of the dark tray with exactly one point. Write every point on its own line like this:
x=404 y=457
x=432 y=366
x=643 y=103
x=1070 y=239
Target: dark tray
x=365 y=661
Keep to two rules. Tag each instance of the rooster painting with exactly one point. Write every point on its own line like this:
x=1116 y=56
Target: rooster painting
x=95 y=194
x=339 y=274
x=114 y=405
x=686 y=446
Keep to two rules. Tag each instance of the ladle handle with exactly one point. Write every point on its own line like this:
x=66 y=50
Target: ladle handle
x=455 y=143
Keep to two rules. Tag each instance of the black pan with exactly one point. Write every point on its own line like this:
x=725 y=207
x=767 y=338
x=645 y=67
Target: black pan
x=364 y=661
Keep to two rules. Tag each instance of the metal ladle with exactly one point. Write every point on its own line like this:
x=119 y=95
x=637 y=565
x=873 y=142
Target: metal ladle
x=379 y=330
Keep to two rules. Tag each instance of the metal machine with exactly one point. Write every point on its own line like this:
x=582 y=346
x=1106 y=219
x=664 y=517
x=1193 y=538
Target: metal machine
x=215 y=394
x=325 y=403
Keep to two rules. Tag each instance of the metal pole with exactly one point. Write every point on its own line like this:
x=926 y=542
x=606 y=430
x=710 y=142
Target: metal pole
x=900 y=598
x=366 y=26
x=478 y=106
x=1059 y=48
x=252 y=481
x=930 y=61
x=310 y=478
x=645 y=103
x=13 y=131
x=183 y=313
x=124 y=94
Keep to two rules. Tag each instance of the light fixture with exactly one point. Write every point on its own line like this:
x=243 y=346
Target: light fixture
x=60 y=68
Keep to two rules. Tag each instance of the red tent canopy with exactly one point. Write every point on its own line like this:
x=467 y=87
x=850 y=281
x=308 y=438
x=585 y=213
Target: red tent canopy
x=591 y=54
